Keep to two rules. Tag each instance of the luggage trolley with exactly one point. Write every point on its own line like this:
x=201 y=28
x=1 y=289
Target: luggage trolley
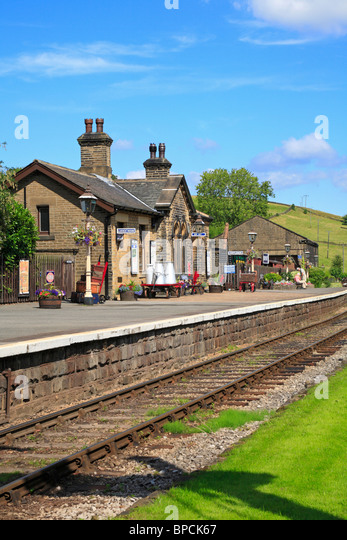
x=248 y=279
x=97 y=281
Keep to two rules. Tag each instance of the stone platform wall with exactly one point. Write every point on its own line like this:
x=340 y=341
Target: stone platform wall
x=58 y=376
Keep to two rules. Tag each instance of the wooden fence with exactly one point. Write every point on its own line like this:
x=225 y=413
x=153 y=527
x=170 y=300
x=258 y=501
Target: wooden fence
x=21 y=283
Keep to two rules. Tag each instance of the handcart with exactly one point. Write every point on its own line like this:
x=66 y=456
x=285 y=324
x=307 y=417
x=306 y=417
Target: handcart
x=98 y=272
x=98 y=278
x=249 y=279
x=151 y=289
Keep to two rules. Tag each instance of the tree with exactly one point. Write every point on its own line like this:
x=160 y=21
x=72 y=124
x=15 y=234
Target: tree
x=336 y=267
x=18 y=230
x=232 y=197
x=344 y=220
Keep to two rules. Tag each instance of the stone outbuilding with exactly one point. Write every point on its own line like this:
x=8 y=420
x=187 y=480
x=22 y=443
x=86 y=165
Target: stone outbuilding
x=270 y=243
x=142 y=220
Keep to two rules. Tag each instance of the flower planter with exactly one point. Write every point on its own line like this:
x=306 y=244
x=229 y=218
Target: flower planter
x=215 y=288
x=127 y=296
x=50 y=303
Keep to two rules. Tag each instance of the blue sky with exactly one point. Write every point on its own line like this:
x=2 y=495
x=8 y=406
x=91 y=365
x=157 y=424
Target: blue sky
x=259 y=84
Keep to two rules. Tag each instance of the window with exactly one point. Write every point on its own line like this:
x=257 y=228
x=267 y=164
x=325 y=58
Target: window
x=43 y=219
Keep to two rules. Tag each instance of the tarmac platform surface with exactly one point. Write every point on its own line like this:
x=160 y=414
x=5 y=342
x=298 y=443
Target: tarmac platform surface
x=26 y=327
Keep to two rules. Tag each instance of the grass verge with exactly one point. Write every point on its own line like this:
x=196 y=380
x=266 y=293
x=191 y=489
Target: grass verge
x=292 y=468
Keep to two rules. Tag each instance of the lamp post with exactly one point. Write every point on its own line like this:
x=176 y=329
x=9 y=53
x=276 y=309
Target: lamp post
x=287 y=248
x=198 y=231
x=252 y=238
x=88 y=203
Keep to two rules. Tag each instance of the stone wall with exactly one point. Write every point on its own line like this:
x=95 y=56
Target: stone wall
x=80 y=371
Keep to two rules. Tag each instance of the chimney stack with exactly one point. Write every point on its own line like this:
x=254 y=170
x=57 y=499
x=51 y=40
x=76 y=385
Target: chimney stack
x=95 y=149
x=157 y=168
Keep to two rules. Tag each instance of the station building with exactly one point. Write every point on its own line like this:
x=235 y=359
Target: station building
x=142 y=220
x=272 y=243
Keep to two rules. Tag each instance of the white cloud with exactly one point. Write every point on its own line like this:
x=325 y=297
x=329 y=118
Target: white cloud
x=62 y=64
x=322 y=16
x=278 y=42
x=301 y=161
x=307 y=150
x=134 y=175
x=291 y=178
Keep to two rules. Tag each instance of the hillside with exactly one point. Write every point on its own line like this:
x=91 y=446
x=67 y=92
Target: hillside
x=325 y=229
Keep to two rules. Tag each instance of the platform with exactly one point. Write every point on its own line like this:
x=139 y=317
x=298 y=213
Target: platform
x=27 y=328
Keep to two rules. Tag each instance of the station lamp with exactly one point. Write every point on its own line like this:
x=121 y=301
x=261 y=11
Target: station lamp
x=88 y=204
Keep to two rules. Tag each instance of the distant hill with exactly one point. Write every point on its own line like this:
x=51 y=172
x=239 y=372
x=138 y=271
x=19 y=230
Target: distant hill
x=321 y=227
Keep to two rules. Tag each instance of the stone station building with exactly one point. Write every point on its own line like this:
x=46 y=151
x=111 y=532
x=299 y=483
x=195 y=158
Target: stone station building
x=158 y=213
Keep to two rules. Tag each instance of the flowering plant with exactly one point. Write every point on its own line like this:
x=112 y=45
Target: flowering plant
x=88 y=236
x=288 y=260
x=50 y=291
x=137 y=289
x=252 y=254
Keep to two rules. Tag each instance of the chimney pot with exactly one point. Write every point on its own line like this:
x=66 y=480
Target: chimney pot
x=89 y=125
x=99 y=125
x=162 y=150
x=153 y=150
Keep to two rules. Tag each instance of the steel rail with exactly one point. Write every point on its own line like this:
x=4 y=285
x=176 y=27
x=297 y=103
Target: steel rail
x=70 y=413
x=47 y=477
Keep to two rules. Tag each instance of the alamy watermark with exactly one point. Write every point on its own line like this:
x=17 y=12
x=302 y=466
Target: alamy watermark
x=322 y=130
x=22 y=130
x=172 y=4
x=322 y=390
x=22 y=388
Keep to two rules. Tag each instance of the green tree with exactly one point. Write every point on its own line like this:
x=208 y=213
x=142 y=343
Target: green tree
x=232 y=196
x=18 y=230
x=344 y=220
x=336 y=267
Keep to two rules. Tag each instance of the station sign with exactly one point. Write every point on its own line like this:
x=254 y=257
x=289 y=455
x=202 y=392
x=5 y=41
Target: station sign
x=126 y=231
x=235 y=252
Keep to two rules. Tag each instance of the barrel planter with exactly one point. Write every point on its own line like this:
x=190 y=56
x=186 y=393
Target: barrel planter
x=215 y=288
x=50 y=303
x=127 y=296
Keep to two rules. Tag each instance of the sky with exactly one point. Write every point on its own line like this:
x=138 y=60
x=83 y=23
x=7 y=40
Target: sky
x=259 y=84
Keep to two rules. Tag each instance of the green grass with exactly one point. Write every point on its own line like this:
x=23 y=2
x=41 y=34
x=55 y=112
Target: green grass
x=315 y=225
x=231 y=418
x=292 y=468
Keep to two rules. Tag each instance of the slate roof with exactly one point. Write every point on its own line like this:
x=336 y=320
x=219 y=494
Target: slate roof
x=158 y=193
x=103 y=188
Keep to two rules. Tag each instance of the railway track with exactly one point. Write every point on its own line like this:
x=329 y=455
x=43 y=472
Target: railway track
x=71 y=440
